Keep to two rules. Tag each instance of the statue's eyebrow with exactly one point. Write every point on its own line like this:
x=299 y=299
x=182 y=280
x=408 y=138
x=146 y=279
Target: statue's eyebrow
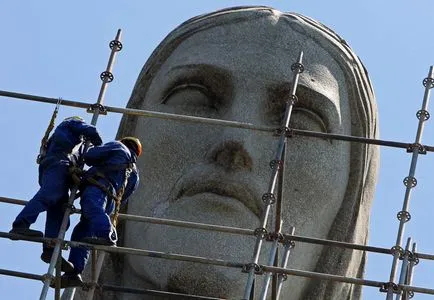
x=308 y=98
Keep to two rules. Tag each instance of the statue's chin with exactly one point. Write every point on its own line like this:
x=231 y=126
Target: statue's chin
x=195 y=278
x=206 y=280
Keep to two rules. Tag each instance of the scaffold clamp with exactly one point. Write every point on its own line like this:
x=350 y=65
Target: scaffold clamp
x=397 y=250
x=47 y=276
x=389 y=285
x=287 y=242
x=269 y=198
x=428 y=81
x=422 y=115
x=274 y=236
x=286 y=130
x=419 y=147
x=252 y=266
x=107 y=76
x=297 y=66
x=412 y=257
x=283 y=276
x=117 y=44
x=276 y=163
x=97 y=106
x=403 y=216
x=410 y=181
x=260 y=232
x=292 y=100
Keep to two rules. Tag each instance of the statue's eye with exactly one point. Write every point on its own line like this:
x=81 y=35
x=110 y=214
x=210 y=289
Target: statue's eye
x=306 y=119
x=191 y=99
x=301 y=117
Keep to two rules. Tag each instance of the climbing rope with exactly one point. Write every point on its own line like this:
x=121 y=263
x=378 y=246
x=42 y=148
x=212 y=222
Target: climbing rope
x=44 y=141
x=119 y=195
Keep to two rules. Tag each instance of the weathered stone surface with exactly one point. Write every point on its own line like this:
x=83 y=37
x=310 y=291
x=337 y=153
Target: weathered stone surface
x=235 y=64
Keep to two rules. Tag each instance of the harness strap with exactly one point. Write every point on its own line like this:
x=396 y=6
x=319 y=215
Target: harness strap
x=76 y=174
x=120 y=194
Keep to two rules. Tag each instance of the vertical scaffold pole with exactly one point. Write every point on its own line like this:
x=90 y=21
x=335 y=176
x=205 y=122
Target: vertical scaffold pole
x=269 y=198
x=410 y=182
x=413 y=262
x=278 y=222
x=404 y=267
x=106 y=77
x=271 y=259
x=288 y=245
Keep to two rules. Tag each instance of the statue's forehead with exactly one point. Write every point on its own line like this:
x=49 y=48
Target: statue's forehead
x=268 y=46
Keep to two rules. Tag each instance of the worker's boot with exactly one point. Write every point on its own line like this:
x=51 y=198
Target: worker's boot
x=26 y=231
x=67 y=280
x=65 y=266
x=98 y=241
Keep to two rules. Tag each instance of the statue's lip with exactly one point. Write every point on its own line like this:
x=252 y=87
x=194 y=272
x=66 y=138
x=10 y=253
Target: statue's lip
x=219 y=184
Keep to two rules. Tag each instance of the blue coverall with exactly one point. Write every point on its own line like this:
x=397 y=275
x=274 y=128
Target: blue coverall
x=54 y=179
x=111 y=159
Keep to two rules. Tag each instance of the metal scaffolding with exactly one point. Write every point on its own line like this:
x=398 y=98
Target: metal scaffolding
x=399 y=286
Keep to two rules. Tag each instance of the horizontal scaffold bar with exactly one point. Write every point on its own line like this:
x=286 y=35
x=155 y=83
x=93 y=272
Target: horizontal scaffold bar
x=235 y=124
x=21 y=275
x=243 y=231
x=138 y=112
x=220 y=262
x=112 y=287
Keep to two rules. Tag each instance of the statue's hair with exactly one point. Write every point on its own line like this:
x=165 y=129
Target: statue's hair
x=352 y=220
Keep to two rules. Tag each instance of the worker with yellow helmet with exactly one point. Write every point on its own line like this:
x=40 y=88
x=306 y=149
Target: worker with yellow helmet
x=112 y=178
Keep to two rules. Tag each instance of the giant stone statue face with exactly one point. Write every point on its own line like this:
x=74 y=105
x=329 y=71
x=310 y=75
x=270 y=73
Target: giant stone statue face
x=238 y=68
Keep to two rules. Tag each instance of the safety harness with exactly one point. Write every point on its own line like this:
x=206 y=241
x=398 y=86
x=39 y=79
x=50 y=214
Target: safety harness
x=81 y=178
x=44 y=141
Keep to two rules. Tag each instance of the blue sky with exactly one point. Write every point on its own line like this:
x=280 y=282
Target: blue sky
x=59 y=50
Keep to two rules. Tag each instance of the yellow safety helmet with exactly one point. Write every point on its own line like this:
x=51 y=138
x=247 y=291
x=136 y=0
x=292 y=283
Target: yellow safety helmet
x=133 y=144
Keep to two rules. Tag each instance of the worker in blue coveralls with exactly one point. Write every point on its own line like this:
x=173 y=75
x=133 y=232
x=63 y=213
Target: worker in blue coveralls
x=112 y=178
x=54 y=181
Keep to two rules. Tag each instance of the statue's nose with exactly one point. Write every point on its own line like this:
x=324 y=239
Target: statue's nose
x=232 y=156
